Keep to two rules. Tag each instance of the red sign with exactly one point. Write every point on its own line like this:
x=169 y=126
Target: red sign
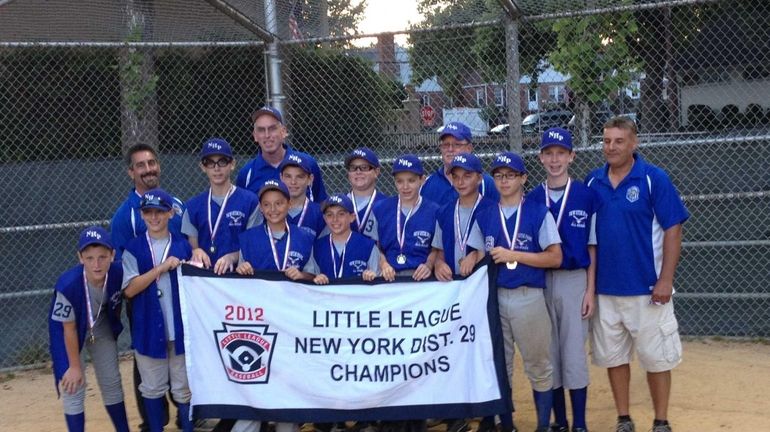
x=428 y=115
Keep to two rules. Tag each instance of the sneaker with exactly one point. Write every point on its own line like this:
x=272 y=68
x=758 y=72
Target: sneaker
x=661 y=428
x=458 y=425
x=558 y=428
x=625 y=426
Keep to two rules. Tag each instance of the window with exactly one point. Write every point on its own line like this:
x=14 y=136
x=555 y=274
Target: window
x=499 y=96
x=532 y=96
x=425 y=99
x=556 y=93
x=481 y=99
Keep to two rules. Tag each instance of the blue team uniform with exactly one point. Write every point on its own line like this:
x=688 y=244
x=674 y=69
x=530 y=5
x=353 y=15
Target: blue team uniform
x=357 y=252
x=256 y=171
x=362 y=212
x=644 y=204
x=70 y=284
x=313 y=222
x=445 y=218
x=439 y=189
x=527 y=241
x=418 y=235
x=127 y=222
x=255 y=247
x=239 y=207
x=148 y=331
x=575 y=226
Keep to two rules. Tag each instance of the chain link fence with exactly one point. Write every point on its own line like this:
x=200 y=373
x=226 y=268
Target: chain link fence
x=694 y=74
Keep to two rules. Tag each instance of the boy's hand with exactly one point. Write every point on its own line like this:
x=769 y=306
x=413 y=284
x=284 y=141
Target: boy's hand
x=502 y=255
x=443 y=272
x=201 y=256
x=467 y=264
x=245 y=268
x=422 y=272
x=388 y=273
x=223 y=265
x=170 y=264
x=72 y=380
x=369 y=275
x=321 y=279
x=293 y=273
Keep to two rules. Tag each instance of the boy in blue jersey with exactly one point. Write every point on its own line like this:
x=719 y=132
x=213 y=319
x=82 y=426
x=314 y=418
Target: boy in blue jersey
x=343 y=253
x=455 y=138
x=270 y=134
x=569 y=292
x=214 y=219
x=297 y=175
x=457 y=251
x=521 y=237
x=290 y=249
x=275 y=245
x=363 y=168
x=403 y=225
x=639 y=235
x=85 y=313
x=150 y=281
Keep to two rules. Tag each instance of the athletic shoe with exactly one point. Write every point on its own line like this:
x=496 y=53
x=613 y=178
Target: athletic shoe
x=559 y=428
x=661 y=428
x=459 y=425
x=625 y=426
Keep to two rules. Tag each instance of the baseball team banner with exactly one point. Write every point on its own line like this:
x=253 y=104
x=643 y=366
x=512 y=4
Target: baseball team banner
x=267 y=348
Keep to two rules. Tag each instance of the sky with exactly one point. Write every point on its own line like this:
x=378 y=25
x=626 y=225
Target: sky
x=388 y=15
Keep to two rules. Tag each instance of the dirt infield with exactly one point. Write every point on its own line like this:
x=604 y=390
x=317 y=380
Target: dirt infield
x=719 y=387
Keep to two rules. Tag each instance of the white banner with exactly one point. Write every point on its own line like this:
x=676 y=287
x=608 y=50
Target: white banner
x=267 y=348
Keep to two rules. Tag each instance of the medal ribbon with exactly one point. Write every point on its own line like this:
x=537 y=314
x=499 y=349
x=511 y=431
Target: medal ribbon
x=338 y=274
x=401 y=231
x=91 y=320
x=304 y=210
x=563 y=200
x=462 y=238
x=273 y=241
x=512 y=240
x=152 y=252
x=213 y=230
x=362 y=221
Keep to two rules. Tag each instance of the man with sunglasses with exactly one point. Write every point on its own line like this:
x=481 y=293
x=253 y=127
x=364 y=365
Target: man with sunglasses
x=270 y=133
x=127 y=223
x=454 y=139
x=363 y=167
x=215 y=218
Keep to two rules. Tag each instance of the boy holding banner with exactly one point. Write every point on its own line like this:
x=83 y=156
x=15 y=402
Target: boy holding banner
x=343 y=252
x=569 y=292
x=150 y=281
x=521 y=237
x=403 y=225
x=214 y=219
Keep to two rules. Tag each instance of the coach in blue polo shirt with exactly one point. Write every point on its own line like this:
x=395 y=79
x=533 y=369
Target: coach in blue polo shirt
x=455 y=139
x=270 y=133
x=639 y=235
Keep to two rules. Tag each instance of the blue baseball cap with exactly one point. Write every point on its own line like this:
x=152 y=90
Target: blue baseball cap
x=363 y=153
x=157 y=199
x=274 y=112
x=94 y=235
x=216 y=146
x=293 y=159
x=509 y=160
x=408 y=163
x=458 y=130
x=556 y=137
x=339 y=200
x=275 y=185
x=468 y=162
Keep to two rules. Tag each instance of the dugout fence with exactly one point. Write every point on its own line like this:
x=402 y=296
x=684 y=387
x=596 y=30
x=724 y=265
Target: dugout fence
x=80 y=83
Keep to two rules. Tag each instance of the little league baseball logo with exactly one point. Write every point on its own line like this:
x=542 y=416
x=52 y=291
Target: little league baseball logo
x=632 y=194
x=246 y=351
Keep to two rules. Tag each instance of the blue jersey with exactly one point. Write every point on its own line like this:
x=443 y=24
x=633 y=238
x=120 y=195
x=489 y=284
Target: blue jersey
x=362 y=215
x=255 y=248
x=357 y=252
x=439 y=189
x=127 y=222
x=148 y=327
x=239 y=207
x=256 y=171
x=313 y=221
x=71 y=286
x=575 y=226
x=418 y=232
x=630 y=221
x=446 y=220
x=532 y=219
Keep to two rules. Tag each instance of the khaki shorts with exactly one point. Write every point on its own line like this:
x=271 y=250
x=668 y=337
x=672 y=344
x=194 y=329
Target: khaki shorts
x=624 y=324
